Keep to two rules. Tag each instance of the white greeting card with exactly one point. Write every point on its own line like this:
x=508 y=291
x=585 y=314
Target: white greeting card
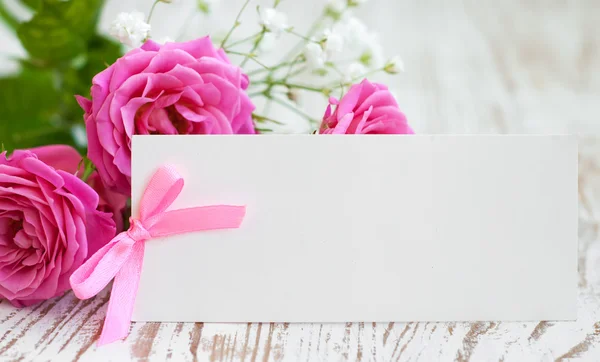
x=366 y=228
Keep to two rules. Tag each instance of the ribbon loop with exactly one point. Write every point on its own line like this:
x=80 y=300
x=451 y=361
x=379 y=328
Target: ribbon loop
x=93 y=275
x=163 y=188
x=122 y=257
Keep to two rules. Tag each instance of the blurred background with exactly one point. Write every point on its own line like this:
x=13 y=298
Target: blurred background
x=516 y=66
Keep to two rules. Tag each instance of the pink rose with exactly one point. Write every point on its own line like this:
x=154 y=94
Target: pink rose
x=366 y=108
x=66 y=158
x=176 y=88
x=49 y=224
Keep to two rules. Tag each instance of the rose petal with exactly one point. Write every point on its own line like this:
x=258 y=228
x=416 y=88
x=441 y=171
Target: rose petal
x=61 y=157
x=198 y=48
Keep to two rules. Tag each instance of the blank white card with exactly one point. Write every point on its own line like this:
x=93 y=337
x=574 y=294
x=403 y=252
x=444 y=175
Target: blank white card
x=366 y=228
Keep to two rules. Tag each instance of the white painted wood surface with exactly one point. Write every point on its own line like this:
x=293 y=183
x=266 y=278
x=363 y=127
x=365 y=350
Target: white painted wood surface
x=472 y=67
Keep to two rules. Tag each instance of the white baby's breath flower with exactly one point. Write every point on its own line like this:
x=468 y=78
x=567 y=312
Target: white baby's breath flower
x=130 y=28
x=315 y=57
x=273 y=20
x=333 y=42
x=356 y=34
x=359 y=40
x=394 y=65
x=353 y=71
x=268 y=42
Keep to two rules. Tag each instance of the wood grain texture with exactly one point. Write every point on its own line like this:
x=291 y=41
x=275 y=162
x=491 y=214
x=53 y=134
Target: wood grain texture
x=473 y=67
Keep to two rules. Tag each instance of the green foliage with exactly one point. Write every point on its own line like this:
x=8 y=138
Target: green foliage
x=77 y=79
x=60 y=29
x=37 y=105
x=28 y=103
x=32 y=4
x=46 y=38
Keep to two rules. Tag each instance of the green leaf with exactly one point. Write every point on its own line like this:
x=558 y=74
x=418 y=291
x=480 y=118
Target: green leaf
x=29 y=103
x=28 y=94
x=79 y=15
x=38 y=134
x=46 y=38
x=60 y=29
x=77 y=80
x=102 y=51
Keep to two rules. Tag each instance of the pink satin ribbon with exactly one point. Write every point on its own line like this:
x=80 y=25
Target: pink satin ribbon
x=122 y=257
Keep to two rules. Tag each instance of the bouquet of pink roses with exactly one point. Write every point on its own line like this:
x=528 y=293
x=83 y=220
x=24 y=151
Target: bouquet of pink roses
x=58 y=207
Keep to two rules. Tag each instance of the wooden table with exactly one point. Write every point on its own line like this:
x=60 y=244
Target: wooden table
x=504 y=67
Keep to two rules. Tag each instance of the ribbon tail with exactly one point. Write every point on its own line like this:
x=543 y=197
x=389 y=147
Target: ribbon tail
x=122 y=298
x=197 y=219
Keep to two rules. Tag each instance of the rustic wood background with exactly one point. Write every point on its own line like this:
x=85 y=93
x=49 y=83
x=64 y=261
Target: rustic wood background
x=472 y=67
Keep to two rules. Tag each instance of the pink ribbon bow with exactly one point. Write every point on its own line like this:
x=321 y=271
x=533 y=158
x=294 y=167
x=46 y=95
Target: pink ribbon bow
x=122 y=257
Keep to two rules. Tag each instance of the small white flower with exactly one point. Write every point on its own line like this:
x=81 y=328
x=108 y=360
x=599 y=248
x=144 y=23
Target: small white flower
x=130 y=28
x=333 y=42
x=315 y=57
x=337 y=6
x=359 y=40
x=355 y=31
x=273 y=20
x=268 y=42
x=353 y=71
x=394 y=65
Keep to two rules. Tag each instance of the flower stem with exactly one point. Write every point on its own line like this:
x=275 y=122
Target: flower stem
x=306 y=39
x=259 y=118
x=237 y=42
x=263 y=130
x=295 y=73
x=152 y=11
x=254 y=47
x=343 y=84
x=249 y=56
x=297 y=59
x=313 y=28
x=291 y=85
x=299 y=86
x=235 y=24
x=272 y=69
x=311 y=120
x=90 y=168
